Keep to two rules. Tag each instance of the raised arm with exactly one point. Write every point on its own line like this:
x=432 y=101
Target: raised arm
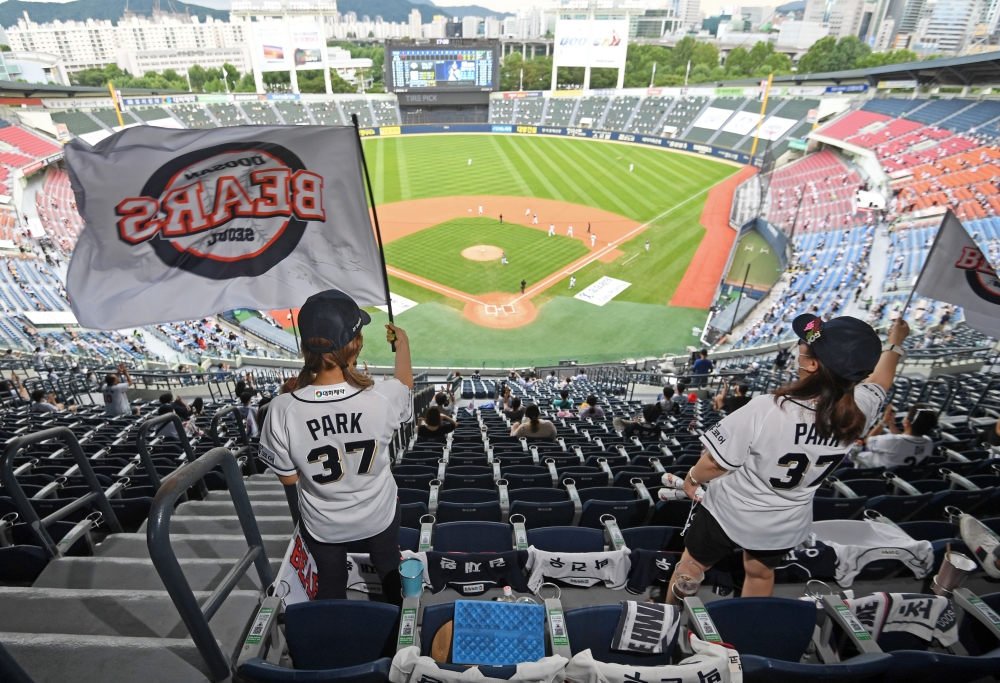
x=885 y=371
x=404 y=368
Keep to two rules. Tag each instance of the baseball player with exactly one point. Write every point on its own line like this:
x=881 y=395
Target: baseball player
x=588 y=228
x=552 y=229
x=630 y=166
x=768 y=458
x=569 y=233
x=330 y=436
x=480 y=209
x=503 y=258
x=593 y=239
x=470 y=162
x=534 y=219
x=527 y=212
x=647 y=244
x=572 y=281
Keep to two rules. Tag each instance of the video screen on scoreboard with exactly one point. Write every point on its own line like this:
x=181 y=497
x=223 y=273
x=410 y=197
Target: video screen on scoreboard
x=443 y=67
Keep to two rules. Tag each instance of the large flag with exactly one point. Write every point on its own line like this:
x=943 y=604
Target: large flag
x=957 y=272
x=184 y=224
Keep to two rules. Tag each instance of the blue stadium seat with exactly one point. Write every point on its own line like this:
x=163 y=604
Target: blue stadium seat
x=651 y=480
x=567 y=539
x=584 y=477
x=472 y=537
x=435 y=616
x=654 y=538
x=772 y=654
x=825 y=508
x=412 y=496
x=899 y=508
x=469 y=478
x=526 y=476
x=594 y=628
x=671 y=513
x=930 y=530
x=627 y=511
x=468 y=496
x=363 y=632
x=469 y=512
x=410 y=514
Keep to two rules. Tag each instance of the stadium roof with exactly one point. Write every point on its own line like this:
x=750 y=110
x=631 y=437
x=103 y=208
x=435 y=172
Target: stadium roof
x=954 y=71
x=17 y=89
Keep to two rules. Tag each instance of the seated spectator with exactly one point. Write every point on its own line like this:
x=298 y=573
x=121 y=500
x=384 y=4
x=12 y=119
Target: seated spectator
x=582 y=377
x=649 y=414
x=116 y=393
x=908 y=447
x=249 y=413
x=198 y=408
x=445 y=401
x=474 y=375
x=434 y=426
x=680 y=395
x=563 y=402
x=533 y=427
x=40 y=403
x=50 y=374
x=701 y=368
x=552 y=379
x=723 y=401
x=781 y=360
x=591 y=410
x=512 y=409
x=168 y=404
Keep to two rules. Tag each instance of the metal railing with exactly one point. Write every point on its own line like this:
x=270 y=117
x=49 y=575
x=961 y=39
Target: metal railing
x=26 y=511
x=196 y=618
x=143 y=447
x=241 y=428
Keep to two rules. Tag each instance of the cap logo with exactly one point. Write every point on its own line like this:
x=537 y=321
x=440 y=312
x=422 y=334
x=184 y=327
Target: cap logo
x=356 y=325
x=813 y=330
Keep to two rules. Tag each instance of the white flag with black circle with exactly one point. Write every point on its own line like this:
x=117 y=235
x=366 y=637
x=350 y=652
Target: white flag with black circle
x=183 y=224
x=958 y=273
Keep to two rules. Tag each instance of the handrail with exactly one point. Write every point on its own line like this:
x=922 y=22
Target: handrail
x=241 y=427
x=140 y=444
x=24 y=507
x=165 y=560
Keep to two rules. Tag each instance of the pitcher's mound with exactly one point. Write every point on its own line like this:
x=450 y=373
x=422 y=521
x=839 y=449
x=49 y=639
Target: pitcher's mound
x=482 y=252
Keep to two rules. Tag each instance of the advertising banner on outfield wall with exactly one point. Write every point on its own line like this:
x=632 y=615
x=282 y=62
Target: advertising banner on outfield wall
x=600 y=43
x=307 y=45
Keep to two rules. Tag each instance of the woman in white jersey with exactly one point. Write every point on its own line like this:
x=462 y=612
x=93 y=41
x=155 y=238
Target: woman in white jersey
x=330 y=437
x=765 y=460
x=907 y=447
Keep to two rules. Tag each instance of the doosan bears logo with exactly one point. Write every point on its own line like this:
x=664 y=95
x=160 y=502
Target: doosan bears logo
x=980 y=274
x=225 y=211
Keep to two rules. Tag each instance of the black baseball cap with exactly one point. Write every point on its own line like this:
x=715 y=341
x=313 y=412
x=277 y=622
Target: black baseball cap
x=849 y=347
x=331 y=315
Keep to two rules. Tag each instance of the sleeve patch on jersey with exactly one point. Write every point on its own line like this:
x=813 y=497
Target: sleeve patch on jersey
x=719 y=434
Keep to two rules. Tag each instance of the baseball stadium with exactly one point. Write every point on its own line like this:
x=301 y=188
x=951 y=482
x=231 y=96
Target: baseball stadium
x=456 y=382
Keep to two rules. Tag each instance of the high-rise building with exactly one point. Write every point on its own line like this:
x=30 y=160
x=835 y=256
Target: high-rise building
x=688 y=13
x=492 y=27
x=946 y=25
x=415 y=22
x=470 y=26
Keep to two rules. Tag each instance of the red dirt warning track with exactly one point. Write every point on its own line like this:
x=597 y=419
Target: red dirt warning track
x=697 y=287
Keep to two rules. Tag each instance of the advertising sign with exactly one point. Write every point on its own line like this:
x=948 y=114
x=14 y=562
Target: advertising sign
x=271 y=43
x=307 y=45
x=599 y=43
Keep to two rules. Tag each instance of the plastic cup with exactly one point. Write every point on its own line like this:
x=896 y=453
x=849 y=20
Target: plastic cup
x=411 y=572
x=952 y=573
x=687 y=579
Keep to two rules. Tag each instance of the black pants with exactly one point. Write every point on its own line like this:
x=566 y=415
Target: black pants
x=331 y=563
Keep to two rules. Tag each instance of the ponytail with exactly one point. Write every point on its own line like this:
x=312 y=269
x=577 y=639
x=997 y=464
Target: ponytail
x=532 y=412
x=344 y=358
x=837 y=413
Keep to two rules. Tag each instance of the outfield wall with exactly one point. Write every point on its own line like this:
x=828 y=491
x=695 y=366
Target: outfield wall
x=566 y=131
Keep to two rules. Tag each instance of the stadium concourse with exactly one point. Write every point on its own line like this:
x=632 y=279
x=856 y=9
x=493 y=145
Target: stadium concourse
x=134 y=552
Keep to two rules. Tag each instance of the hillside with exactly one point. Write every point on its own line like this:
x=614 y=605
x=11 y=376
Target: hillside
x=81 y=10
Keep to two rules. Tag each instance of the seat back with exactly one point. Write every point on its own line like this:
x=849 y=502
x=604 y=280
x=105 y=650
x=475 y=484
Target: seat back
x=539 y=495
x=544 y=514
x=653 y=538
x=468 y=481
x=527 y=481
x=607 y=493
x=412 y=496
x=837 y=508
x=930 y=530
x=472 y=537
x=435 y=616
x=789 y=626
x=353 y=632
x=976 y=638
x=469 y=512
x=627 y=513
x=594 y=628
x=467 y=496
x=566 y=539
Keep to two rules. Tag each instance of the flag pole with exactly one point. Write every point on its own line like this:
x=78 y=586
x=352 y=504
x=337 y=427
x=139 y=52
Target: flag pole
x=378 y=232
x=930 y=252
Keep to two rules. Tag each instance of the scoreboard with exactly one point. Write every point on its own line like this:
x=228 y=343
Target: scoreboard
x=451 y=65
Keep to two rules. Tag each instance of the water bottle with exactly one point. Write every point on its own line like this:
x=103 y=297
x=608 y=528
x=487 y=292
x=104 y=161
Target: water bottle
x=508 y=595
x=526 y=601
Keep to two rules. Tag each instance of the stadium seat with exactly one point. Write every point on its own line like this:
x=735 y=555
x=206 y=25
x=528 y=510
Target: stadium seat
x=654 y=538
x=364 y=633
x=567 y=539
x=526 y=476
x=469 y=478
x=626 y=509
x=772 y=654
x=468 y=512
x=671 y=513
x=472 y=537
x=542 y=507
x=594 y=628
x=825 y=507
x=410 y=514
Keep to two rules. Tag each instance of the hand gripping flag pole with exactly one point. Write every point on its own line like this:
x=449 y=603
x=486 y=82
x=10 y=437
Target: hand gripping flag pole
x=378 y=233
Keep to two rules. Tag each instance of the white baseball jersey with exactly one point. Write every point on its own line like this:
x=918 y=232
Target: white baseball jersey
x=890 y=450
x=578 y=569
x=336 y=438
x=776 y=460
x=116 y=399
x=861 y=541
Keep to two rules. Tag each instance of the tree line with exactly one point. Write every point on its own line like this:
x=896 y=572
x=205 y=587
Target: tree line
x=671 y=64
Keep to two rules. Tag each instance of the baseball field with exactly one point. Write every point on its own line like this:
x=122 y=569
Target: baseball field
x=467 y=218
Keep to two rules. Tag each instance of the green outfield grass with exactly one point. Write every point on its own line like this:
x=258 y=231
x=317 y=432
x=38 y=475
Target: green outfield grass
x=764 y=266
x=666 y=190
x=436 y=254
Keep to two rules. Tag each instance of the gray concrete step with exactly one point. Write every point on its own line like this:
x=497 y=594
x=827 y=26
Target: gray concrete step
x=136 y=614
x=262 y=495
x=60 y=658
x=231 y=546
x=227 y=524
x=206 y=509
x=130 y=573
